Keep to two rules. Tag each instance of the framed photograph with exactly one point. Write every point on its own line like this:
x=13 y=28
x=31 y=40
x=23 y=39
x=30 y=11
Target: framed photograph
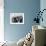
x=16 y=18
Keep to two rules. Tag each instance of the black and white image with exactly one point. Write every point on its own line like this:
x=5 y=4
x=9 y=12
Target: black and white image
x=16 y=18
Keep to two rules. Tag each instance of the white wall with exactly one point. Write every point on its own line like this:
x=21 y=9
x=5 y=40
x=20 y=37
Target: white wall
x=1 y=20
x=43 y=6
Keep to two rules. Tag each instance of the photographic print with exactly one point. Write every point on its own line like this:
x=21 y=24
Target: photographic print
x=16 y=18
